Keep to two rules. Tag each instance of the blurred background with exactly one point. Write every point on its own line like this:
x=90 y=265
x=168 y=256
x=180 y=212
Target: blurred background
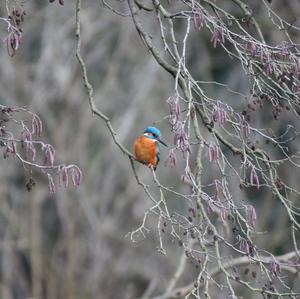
x=73 y=244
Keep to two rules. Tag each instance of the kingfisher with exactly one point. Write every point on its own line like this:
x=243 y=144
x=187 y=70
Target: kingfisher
x=147 y=148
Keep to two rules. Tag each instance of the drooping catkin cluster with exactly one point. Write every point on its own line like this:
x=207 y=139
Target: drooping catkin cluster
x=20 y=133
x=13 y=22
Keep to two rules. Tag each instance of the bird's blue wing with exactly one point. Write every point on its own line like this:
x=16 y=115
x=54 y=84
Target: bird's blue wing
x=158 y=152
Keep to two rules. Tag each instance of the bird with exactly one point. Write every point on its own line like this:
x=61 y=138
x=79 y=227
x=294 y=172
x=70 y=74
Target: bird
x=147 y=148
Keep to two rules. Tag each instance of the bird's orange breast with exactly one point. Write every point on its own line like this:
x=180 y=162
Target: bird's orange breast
x=145 y=150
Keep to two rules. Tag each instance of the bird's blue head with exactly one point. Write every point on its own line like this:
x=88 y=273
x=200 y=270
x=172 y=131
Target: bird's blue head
x=154 y=133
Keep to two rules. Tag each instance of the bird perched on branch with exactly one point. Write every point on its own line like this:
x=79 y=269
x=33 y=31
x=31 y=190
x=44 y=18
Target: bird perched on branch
x=147 y=148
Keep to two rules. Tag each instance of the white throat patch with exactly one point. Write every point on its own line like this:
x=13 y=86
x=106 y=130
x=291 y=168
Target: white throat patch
x=148 y=135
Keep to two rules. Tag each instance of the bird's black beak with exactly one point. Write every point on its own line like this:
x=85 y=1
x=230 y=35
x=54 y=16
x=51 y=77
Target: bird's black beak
x=159 y=140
